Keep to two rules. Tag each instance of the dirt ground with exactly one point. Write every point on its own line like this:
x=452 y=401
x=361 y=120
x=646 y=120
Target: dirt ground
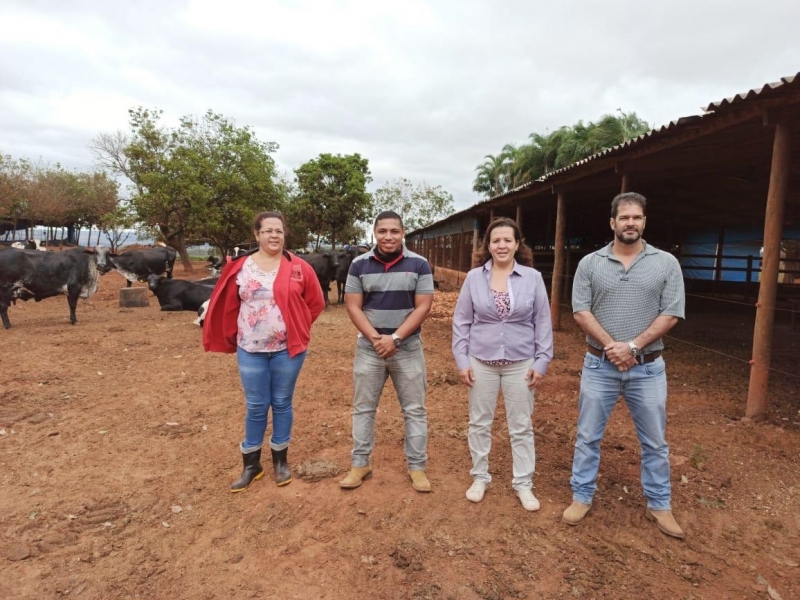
x=118 y=443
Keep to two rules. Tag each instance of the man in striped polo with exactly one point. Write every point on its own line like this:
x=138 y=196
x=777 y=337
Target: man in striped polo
x=626 y=296
x=388 y=294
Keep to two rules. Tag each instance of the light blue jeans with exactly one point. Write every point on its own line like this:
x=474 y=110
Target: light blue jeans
x=644 y=389
x=268 y=379
x=407 y=370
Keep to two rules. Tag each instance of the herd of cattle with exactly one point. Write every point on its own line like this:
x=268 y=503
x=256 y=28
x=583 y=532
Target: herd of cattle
x=26 y=273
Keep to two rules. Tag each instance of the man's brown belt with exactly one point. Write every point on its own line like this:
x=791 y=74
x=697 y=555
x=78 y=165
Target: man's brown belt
x=641 y=359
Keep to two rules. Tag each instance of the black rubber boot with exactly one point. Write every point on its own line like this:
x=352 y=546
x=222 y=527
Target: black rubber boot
x=252 y=471
x=283 y=476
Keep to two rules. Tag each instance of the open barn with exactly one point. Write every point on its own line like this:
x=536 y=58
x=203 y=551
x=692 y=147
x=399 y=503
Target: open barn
x=723 y=191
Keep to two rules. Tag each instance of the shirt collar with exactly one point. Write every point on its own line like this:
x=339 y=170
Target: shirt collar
x=517 y=270
x=403 y=252
x=607 y=252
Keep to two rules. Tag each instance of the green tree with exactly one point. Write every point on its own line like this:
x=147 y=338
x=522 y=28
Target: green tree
x=418 y=205
x=14 y=190
x=490 y=179
x=117 y=225
x=332 y=194
x=202 y=180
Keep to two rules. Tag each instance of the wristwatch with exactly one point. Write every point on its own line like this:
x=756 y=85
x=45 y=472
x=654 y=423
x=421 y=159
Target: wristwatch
x=396 y=339
x=634 y=349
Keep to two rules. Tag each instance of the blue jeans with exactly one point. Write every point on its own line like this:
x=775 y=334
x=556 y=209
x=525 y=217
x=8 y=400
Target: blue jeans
x=268 y=379
x=407 y=370
x=644 y=388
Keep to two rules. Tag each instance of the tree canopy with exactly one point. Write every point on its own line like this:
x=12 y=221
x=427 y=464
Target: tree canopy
x=202 y=180
x=52 y=196
x=418 y=205
x=332 y=195
x=517 y=165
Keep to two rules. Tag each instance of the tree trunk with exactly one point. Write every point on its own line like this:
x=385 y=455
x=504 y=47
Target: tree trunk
x=178 y=242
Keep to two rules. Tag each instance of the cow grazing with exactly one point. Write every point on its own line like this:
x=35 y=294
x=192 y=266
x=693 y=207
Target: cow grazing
x=29 y=245
x=324 y=265
x=176 y=294
x=28 y=274
x=138 y=265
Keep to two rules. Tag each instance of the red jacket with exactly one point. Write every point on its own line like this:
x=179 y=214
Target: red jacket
x=297 y=294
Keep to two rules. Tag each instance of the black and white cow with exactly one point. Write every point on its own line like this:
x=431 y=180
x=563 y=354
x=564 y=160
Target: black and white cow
x=177 y=294
x=324 y=265
x=29 y=245
x=201 y=314
x=138 y=265
x=28 y=274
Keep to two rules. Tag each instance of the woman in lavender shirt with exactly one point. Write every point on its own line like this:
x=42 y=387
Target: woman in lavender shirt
x=502 y=339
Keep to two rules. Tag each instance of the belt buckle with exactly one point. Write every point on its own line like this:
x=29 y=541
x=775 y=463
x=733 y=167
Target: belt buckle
x=640 y=359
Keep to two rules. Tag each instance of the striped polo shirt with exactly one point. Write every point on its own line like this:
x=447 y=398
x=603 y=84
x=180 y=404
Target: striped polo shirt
x=625 y=303
x=389 y=291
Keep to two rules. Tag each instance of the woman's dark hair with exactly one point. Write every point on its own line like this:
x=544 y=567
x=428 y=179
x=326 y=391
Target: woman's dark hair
x=523 y=255
x=270 y=215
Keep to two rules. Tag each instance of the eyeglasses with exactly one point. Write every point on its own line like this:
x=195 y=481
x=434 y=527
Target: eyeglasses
x=271 y=231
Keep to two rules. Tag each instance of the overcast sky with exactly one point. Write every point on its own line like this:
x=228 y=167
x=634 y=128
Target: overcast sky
x=424 y=90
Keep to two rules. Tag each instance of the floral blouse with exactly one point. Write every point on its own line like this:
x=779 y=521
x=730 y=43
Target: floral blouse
x=502 y=302
x=260 y=324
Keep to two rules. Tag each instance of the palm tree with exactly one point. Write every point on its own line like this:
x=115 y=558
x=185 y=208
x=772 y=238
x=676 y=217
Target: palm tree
x=490 y=178
x=517 y=165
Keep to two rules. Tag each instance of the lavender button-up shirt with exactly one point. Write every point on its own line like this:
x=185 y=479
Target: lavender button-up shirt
x=526 y=333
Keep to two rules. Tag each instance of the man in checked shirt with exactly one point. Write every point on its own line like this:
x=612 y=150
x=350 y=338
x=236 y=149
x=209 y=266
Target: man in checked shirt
x=625 y=297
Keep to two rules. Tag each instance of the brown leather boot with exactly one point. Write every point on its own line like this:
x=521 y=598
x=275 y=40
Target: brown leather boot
x=575 y=512
x=283 y=476
x=666 y=523
x=419 y=481
x=252 y=471
x=355 y=477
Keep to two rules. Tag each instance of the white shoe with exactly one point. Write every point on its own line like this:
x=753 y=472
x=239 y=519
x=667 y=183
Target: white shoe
x=476 y=491
x=529 y=501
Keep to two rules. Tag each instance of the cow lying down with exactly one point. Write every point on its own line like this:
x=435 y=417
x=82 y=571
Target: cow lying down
x=176 y=294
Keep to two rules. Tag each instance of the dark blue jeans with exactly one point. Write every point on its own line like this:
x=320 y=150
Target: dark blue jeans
x=268 y=379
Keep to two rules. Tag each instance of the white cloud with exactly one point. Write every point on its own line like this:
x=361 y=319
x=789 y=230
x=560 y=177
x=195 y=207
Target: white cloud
x=424 y=90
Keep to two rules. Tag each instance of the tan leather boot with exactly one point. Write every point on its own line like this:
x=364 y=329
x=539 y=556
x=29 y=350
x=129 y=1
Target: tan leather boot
x=666 y=523
x=575 y=512
x=355 y=477
x=419 y=481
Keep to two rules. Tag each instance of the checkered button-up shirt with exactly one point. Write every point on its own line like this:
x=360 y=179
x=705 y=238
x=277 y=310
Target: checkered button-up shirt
x=625 y=303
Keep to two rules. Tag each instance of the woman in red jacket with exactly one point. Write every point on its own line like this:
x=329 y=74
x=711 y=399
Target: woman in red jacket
x=262 y=309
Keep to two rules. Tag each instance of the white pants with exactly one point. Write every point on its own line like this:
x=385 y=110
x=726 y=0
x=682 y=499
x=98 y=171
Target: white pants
x=519 y=408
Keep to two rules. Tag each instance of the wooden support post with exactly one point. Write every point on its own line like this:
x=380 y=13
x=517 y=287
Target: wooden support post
x=491 y=215
x=768 y=288
x=559 y=260
x=518 y=217
x=718 y=258
x=461 y=252
x=626 y=183
x=476 y=232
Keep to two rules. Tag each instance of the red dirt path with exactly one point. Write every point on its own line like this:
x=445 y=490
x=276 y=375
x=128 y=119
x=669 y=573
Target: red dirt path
x=119 y=441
